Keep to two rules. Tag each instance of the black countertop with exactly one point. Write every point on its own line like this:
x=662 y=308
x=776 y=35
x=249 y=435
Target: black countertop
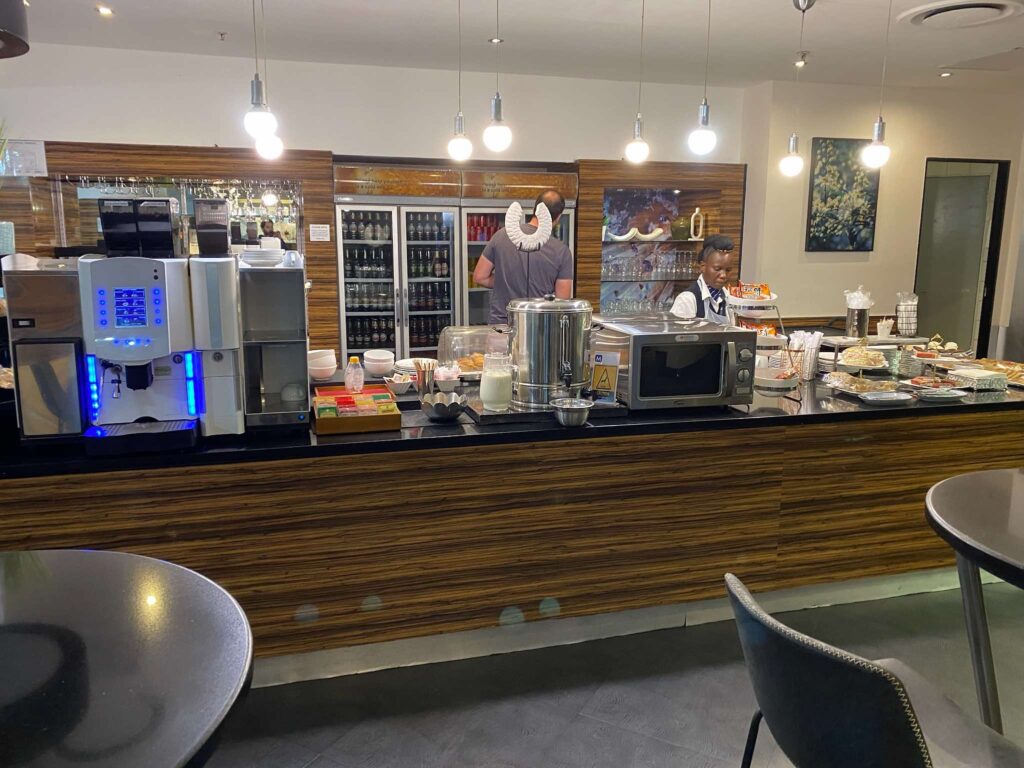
x=817 y=403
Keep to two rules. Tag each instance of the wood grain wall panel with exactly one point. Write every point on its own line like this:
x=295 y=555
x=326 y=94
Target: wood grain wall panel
x=523 y=185
x=725 y=184
x=16 y=207
x=856 y=506
x=313 y=169
x=397 y=181
x=441 y=554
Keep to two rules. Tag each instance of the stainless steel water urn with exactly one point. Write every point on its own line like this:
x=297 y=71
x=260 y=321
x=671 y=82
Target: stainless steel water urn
x=550 y=343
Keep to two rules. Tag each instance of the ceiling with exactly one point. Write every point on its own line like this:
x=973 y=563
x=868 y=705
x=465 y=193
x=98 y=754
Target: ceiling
x=751 y=40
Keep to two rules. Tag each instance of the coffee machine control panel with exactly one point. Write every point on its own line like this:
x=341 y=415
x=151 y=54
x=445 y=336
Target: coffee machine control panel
x=135 y=309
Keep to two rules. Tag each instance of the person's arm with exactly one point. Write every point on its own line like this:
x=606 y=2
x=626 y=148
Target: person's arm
x=483 y=275
x=563 y=282
x=685 y=306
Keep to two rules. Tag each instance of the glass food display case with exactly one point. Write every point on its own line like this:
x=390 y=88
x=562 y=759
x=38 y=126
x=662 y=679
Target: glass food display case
x=398 y=277
x=651 y=241
x=479 y=225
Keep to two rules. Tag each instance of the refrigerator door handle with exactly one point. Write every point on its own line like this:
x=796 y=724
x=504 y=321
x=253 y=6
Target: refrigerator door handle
x=398 y=307
x=405 y=302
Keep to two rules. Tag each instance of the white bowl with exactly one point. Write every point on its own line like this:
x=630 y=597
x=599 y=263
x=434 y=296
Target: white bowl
x=379 y=356
x=446 y=385
x=397 y=387
x=321 y=372
x=321 y=357
x=378 y=369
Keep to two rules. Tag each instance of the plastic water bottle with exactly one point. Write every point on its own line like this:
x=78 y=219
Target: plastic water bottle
x=354 y=376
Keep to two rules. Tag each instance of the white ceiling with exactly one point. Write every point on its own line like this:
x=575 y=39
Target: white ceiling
x=752 y=40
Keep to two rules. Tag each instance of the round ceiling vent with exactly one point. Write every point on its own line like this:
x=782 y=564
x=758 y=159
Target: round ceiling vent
x=958 y=14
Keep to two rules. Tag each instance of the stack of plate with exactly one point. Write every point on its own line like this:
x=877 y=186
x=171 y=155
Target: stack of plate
x=408 y=365
x=826 y=361
x=263 y=257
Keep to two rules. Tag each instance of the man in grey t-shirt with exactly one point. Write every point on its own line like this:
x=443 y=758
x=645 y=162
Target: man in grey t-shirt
x=515 y=274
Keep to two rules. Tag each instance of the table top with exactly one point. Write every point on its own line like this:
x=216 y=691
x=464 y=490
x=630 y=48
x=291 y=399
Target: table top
x=981 y=515
x=113 y=659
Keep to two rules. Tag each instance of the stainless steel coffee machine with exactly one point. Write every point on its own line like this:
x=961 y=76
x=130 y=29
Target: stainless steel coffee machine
x=550 y=343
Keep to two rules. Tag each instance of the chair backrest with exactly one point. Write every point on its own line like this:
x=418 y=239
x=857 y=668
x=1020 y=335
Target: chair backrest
x=825 y=707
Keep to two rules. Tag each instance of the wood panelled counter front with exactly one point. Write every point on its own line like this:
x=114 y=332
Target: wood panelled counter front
x=343 y=550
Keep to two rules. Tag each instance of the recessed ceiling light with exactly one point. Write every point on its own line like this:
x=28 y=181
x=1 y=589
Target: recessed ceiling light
x=496 y=40
x=946 y=74
x=105 y=11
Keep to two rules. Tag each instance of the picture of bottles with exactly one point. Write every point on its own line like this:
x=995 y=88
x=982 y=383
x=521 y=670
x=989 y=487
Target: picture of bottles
x=363 y=262
x=424 y=332
x=366 y=225
x=429 y=262
x=428 y=227
x=371 y=333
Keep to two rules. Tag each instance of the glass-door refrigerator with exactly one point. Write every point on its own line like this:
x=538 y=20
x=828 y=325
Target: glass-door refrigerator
x=478 y=226
x=369 y=279
x=432 y=282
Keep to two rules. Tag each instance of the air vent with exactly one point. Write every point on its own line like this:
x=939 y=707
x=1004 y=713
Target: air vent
x=956 y=14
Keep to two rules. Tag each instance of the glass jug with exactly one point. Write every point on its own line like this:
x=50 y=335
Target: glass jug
x=496 y=382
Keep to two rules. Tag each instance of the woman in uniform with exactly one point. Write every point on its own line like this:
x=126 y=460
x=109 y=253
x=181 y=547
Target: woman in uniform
x=705 y=299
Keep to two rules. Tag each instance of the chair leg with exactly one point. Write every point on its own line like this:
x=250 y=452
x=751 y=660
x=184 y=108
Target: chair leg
x=748 y=753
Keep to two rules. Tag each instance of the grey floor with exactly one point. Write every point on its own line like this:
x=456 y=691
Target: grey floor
x=670 y=698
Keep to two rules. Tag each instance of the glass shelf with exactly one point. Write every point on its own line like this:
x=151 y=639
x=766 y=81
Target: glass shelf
x=430 y=311
x=430 y=279
x=363 y=243
x=362 y=313
x=650 y=280
x=369 y=279
x=417 y=243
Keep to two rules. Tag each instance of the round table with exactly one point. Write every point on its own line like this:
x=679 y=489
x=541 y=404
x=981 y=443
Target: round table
x=114 y=659
x=981 y=515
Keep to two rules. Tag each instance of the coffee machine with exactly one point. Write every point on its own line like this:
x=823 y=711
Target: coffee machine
x=140 y=362
x=162 y=335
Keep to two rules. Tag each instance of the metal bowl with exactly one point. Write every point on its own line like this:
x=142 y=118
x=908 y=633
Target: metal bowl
x=571 y=411
x=443 y=406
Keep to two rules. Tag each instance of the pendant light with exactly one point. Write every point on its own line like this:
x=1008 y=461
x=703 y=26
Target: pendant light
x=792 y=164
x=460 y=147
x=259 y=120
x=637 y=150
x=702 y=139
x=13 y=28
x=876 y=154
x=497 y=135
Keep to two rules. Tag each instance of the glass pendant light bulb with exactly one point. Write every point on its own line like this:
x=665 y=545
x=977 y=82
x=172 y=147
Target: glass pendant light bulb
x=792 y=164
x=269 y=199
x=259 y=120
x=702 y=139
x=460 y=147
x=876 y=154
x=497 y=135
x=269 y=147
x=637 y=150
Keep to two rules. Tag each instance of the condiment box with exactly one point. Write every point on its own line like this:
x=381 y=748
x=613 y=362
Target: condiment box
x=337 y=411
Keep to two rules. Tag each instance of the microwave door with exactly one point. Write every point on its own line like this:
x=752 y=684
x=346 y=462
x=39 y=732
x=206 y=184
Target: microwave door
x=673 y=371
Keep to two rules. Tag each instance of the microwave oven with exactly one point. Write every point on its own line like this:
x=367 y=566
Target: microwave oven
x=669 y=362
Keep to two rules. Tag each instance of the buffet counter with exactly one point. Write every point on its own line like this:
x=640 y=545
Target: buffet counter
x=343 y=540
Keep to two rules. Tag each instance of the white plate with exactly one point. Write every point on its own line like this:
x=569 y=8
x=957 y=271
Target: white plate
x=886 y=398
x=941 y=395
x=408 y=365
x=779 y=385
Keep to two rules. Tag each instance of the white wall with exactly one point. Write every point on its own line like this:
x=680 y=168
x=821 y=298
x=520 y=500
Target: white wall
x=921 y=123
x=106 y=95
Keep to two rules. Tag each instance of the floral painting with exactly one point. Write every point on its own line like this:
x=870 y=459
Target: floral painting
x=843 y=202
